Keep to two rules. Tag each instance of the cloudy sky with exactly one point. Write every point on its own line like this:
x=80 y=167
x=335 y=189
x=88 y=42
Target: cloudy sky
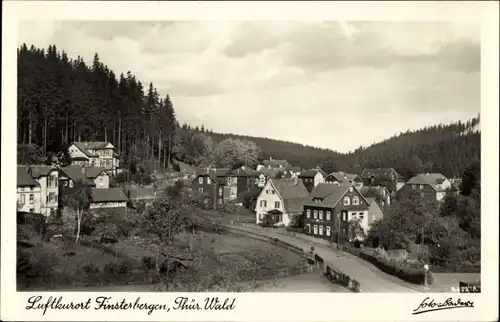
x=335 y=85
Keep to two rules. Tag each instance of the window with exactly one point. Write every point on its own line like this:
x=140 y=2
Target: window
x=200 y=180
x=355 y=200
x=361 y=215
x=273 y=192
x=32 y=209
x=321 y=230
x=209 y=180
x=23 y=199
x=220 y=191
x=421 y=194
x=321 y=214
x=200 y=189
x=220 y=201
x=308 y=228
x=315 y=214
x=328 y=230
x=263 y=203
x=32 y=188
x=421 y=186
x=22 y=188
x=308 y=213
x=347 y=201
x=351 y=189
x=328 y=215
x=413 y=186
x=276 y=204
x=32 y=198
x=344 y=216
x=315 y=229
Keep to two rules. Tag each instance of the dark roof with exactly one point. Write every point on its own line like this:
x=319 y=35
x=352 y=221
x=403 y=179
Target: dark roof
x=108 y=195
x=77 y=173
x=431 y=179
x=339 y=176
x=295 y=169
x=330 y=194
x=293 y=205
x=91 y=145
x=24 y=178
x=290 y=188
x=270 y=173
x=380 y=173
x=351 y=176
x=38 y=171
x=311 y=173
x=243 y=172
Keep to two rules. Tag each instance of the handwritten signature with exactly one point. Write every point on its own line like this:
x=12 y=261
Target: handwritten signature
x=429 y=305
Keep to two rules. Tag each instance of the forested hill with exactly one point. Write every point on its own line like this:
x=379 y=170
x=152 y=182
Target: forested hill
x=63 y=99
x=441 y=148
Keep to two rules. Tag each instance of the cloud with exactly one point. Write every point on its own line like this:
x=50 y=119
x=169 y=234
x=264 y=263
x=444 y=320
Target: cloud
x=331 y=84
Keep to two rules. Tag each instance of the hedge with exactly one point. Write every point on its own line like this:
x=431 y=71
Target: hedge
x=412 y=275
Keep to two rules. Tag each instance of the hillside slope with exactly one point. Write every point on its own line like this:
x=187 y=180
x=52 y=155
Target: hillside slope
x=440 y=148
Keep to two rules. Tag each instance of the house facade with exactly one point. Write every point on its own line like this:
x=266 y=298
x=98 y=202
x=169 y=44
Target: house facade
x=97 y=177
x=429 y=186
x=281 y=198
x=48 y=178
x=94 y=154
x=387 y=177
x=245 y=179
x=29 y=195
x=209 y=186
x=330 y=207
x=312 y=177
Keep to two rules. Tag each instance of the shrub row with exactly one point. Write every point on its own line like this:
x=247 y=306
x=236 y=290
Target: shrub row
x=412 y=275
x=458 y=268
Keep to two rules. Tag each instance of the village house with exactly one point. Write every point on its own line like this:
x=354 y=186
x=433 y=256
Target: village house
x=384 y=196
x=273 y=164
x=312 y=177
x=281 y=198
x=96 y=177
x=210 y=183
x=265 y=174
x=430 y=186
x=110 y=200
x=245 y=178
x=387 y=177
x=329 y=207
x=28 y=192
x=94 y=154
x=47 y=177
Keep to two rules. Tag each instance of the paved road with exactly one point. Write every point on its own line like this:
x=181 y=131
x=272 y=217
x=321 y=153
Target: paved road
x=370 y=278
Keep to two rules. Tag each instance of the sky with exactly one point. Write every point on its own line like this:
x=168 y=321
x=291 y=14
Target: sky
x=336 y=85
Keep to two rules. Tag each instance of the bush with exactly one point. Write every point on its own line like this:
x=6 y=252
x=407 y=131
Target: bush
x=412 y=275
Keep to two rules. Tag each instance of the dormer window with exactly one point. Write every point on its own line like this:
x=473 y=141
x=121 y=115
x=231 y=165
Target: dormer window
x=209 y=180
x=200 y=180
x=355 y=200
x=347 y=201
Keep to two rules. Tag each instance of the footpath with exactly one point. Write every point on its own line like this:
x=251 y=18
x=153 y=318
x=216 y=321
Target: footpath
x=371 y=279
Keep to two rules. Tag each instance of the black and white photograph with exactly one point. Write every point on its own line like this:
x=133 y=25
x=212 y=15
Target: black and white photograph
x=316 y=156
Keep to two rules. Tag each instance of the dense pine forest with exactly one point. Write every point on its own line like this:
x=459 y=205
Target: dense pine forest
x=63 y=99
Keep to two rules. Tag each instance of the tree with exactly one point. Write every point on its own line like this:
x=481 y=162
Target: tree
x=373 y=193
x=355 y=231
x=29 y=154
x=80 y=201
x=233 y=153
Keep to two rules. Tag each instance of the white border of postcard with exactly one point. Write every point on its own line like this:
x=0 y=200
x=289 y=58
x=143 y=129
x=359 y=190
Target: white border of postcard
x=259 y=306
